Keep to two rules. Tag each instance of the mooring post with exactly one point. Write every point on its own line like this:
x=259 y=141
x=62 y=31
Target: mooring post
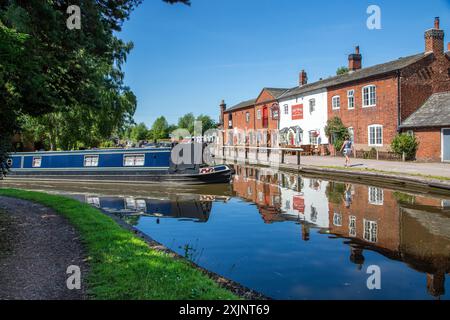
x=282 y=156
x=298 y=158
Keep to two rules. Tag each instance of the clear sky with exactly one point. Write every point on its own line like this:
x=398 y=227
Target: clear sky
x=186 y=59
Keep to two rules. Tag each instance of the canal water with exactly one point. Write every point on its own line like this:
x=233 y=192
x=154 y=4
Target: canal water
x=293 y=237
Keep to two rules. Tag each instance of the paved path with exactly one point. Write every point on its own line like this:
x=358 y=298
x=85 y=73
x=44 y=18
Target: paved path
x=36 y=247
x=432 y=169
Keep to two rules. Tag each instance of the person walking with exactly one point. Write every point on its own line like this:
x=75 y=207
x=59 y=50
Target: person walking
x=347 y=148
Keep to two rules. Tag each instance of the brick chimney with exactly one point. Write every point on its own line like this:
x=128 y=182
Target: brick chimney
x=223 y=108
x=303 y=78
x=434 y=39
x=355 y=60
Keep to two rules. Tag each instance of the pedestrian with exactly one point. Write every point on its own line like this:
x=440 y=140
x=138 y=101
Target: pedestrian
x=347 y=148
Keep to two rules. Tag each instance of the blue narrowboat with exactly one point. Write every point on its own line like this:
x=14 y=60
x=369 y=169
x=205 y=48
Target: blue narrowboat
x=143 y=165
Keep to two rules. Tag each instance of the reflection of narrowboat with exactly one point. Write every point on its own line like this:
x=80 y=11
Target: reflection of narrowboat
x=152 y=165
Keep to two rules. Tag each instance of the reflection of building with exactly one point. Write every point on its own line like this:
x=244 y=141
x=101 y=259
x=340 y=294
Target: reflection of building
x=182 y=208
x=408 y=228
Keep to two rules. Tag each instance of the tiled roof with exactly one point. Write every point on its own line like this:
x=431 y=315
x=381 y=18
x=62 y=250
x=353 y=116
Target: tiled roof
x=356 y=75
x=276 y=92
x=434 y=113
x=241 y=105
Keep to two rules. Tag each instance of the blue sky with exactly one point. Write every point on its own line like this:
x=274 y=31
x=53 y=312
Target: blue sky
x=186 y=59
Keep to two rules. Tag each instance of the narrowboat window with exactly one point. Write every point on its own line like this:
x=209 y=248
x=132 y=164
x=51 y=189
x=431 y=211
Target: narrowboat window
x=91 y=161
x=9 y=162
x=37 y=161
x=134 y=160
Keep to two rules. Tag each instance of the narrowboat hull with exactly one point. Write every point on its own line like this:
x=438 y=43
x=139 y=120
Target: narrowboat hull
x=152 y=165
x=138 y=176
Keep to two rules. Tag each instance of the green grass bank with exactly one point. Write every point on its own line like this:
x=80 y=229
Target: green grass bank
x=123 y=266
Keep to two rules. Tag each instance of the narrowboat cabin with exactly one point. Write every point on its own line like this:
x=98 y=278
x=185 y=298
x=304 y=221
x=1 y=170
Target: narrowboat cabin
x=143 y=165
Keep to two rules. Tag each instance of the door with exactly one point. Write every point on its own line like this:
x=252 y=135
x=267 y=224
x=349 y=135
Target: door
x=265 y=117
x=446 y=145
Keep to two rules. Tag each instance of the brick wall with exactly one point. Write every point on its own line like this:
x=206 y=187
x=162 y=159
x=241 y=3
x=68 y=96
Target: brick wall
x=265 y=100
x=384 y=113
x=239 y=120
x=420 y=80
x=430 y=144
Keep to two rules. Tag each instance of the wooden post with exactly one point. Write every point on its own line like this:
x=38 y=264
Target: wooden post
x=298 y=158
x=377 y=155
x=282 y=156
x=403 y=157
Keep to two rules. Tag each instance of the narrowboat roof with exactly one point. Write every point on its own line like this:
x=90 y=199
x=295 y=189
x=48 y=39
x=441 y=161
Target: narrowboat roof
x=93 y=151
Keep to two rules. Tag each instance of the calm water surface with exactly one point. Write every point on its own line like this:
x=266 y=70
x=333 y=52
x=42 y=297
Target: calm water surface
x=292 y=237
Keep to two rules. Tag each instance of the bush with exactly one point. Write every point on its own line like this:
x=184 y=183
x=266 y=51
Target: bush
x=407 y=144
x=336 y=132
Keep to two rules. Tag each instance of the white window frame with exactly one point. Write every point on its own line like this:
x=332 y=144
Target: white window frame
x=351 y=95
x=311 y=138
x=333 y=102
x=125 y=156
x=33 y=163
x=247 y=117
x=286 y=109
x=370 y=233
x=258 y=114
x=337 y=219
x=368 y=135
x=352 y=232
x=91 y=156
x=275 y=114
x=312 y=105
x=370 y=105
x=376 y=196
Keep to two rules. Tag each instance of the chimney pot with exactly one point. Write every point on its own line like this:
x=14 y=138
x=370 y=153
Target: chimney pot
x=448 y=47
x=436 y=23
x=303 y=78
x=357 y=50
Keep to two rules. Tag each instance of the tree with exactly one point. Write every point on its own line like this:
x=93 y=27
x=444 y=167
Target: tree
x=341 y=71
x=207 y=122
x=69 y=75
x=406 y=144
x=139 y=132
x=160 y=129
x=187 y=122
x=336 y=132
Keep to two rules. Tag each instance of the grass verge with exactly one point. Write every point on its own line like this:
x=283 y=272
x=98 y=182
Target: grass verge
x=122 y=266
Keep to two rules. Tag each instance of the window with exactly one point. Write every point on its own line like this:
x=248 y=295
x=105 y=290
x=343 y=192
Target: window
x=312 y=105
x=247 y=117
x=286 y=109
x=313 y=137
x=9 y=162
x=135 y=160
x=370 y=230
x=275 y=114
x=375 y=135
x=91 y=161
x=37 y=162
x=230 y=121
x=351 y=133
x=337 y=219
x=410 y=133
x=336 y=102
x=93 y=201
x=352 y=226
x=376 y=196
x=258 y=114
x=351 y=99
x=369 y=96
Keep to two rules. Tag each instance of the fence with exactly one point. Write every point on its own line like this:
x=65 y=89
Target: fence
x=261 y=154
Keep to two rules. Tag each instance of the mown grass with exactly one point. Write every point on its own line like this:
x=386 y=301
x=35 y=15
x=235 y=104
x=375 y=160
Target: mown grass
x=123 y=266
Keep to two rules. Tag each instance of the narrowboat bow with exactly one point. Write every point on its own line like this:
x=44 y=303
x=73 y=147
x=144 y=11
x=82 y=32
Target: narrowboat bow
x=144 y=165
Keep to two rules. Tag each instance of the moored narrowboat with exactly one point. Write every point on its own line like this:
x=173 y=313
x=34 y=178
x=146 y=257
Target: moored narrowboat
x=143 y=165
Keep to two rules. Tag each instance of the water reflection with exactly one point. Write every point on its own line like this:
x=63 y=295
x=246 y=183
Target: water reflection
x=293 y=237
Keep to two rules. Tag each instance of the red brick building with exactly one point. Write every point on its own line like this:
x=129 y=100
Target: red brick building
x=237 y=121
x=374 y=102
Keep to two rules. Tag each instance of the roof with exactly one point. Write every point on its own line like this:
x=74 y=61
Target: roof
x=242 y=105
x=435 y=112
x=356 y=75
x=276 y=92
